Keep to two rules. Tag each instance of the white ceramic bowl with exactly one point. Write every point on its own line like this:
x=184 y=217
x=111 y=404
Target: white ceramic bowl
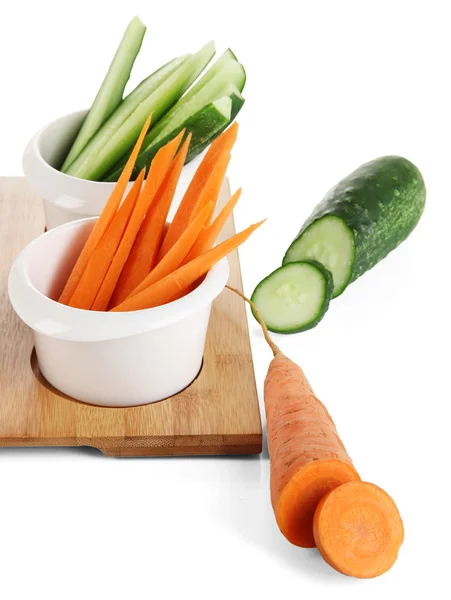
x=65 y=198
x=108 y=359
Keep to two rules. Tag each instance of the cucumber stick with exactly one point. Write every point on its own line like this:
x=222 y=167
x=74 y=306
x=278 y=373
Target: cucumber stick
x=203 y=125
x=363 y=218
x=121 y=131
x=294 y=297
x=111 y=91
x=209 y=88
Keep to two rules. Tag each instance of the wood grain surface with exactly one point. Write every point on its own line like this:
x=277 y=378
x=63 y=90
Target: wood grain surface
x=217 y=414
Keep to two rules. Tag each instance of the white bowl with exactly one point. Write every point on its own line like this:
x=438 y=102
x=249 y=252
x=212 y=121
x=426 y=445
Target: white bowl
x=65 y=198
x=102 y=358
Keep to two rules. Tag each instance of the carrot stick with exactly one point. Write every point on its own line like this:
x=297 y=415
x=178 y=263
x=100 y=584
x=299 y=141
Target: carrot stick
x=169 y=288
x=363 y=542
x=100 y=261
x=179 y=250
x=210 y=234
x=143 y=204
x=220 y=146
x=104 y=220
x=213 y=185
x=143 y=254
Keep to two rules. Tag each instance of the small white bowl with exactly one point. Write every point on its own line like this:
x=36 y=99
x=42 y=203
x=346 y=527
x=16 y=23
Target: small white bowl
x=65 y=198
x=102 y=358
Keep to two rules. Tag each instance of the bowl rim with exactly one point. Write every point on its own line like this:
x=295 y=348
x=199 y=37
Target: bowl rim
x=50 y=318
x=36 y=141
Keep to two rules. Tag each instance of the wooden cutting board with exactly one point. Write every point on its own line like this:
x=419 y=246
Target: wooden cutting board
x=217 y=414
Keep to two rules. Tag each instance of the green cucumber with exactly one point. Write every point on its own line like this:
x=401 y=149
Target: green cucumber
x=204 y=126
x=294 y=297
x=207 y=89
x=197 y=146
x=121 y=131
x=363 y=218
x=111 y=91
x=147 y=87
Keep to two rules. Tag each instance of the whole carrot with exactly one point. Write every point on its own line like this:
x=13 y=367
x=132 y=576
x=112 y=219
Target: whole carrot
x=307 y=457
x=316 y=493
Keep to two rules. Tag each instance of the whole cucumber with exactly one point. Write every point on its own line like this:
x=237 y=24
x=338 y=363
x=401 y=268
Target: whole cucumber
x=363 y=218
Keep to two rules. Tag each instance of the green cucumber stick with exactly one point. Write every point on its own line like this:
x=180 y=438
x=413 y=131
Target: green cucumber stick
x=111 y=91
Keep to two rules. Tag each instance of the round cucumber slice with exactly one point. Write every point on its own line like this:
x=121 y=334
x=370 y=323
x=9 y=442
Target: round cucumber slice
x=294 y=297
x=329 y=241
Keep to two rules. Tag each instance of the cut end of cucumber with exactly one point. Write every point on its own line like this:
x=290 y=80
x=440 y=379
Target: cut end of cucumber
x=224 y=106
x=329 y=241
x=294 y=297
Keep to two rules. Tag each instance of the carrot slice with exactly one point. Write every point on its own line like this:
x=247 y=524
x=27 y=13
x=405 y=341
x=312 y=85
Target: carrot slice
x=100 y=261
x=179 y=250
x=358 y=530
x=143 y=254
x=210 y=234
x=141 y=208
x=220 y=146
x=169 y=288
x=103 y=221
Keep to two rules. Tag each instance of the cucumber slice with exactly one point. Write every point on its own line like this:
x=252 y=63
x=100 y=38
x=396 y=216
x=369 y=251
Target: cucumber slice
x=204 y=126
x=111 y=91
x=114 y=139
x=331 y=242
x=208 y=89
x=294 y=297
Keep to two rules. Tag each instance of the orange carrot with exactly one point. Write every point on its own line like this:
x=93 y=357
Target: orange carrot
x=307 y=458
x=179 y=250
x=220 y=146
x=142 y=207
x=169 y=288
x=100 y=261
x=358 y=530
x=104 y=220
x=210 y=234
x=143 y=254
x=213 y=185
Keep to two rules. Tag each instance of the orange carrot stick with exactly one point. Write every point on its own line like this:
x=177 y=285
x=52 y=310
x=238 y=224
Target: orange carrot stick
x=143 y=205
x=143 y=254
x=221 y=145
x=104 y=220
x=209 y=235
x=209 y=193
x=179 y=250
x=167 y=289
x=100 y=261
x=358 y=529
x=213 y=185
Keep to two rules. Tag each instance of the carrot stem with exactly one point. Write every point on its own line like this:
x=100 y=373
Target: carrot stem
x=275 y=349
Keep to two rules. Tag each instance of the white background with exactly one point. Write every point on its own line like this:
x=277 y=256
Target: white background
x=330 y=86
